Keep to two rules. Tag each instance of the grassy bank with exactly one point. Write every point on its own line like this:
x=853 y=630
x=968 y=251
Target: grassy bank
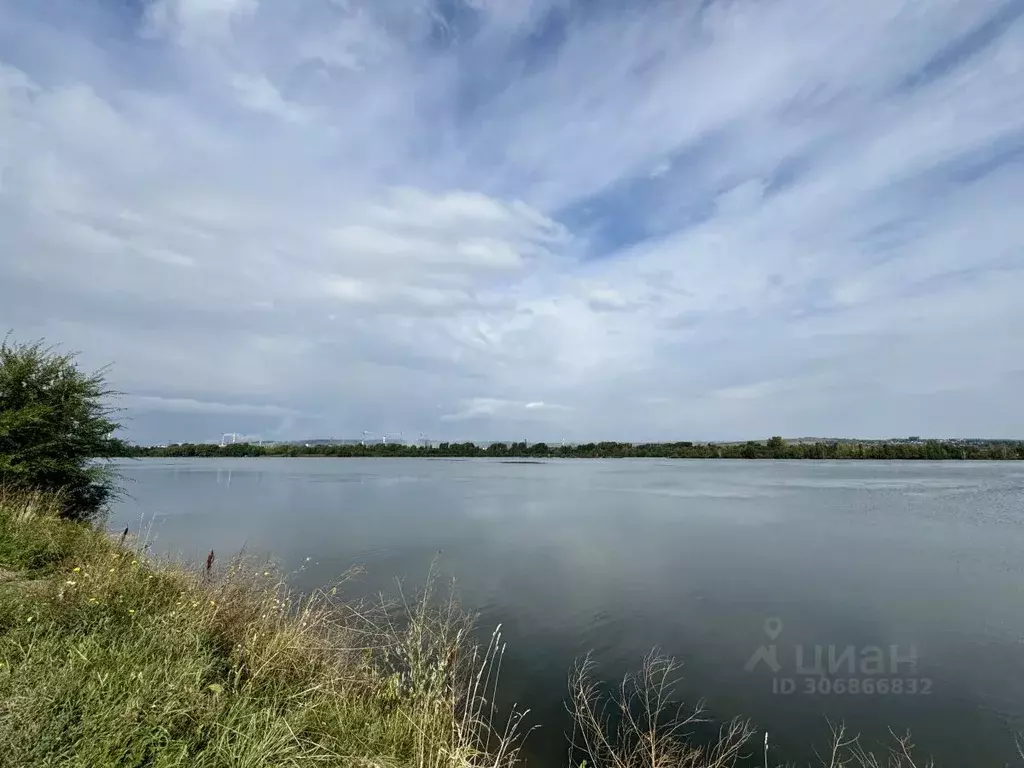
x=109 y=658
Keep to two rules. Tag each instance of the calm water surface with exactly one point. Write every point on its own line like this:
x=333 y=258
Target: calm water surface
x=922 y=560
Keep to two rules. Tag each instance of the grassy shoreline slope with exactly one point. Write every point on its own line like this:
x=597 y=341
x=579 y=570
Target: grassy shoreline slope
x=112 y=659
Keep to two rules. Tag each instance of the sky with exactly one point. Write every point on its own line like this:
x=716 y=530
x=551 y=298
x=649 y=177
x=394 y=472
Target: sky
x=522 y=219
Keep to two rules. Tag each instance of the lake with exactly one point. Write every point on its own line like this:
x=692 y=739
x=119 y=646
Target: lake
x=780 y=585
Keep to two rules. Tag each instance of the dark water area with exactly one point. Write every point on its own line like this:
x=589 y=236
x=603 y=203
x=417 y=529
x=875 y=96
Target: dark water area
x=883 y=595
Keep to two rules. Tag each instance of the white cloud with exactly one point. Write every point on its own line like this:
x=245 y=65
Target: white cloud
x=479 y=407
x=761 y=218
x=509 y=411
x=661 y=169
x=193 y=20
x=607 y=299
x=144 y=403
x=260 y=95
x=538 y=406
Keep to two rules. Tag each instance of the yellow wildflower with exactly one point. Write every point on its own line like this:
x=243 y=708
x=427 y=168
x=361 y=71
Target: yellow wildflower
x=76 y=569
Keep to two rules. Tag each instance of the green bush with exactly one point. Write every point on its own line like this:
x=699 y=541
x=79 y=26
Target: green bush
x=55 y=423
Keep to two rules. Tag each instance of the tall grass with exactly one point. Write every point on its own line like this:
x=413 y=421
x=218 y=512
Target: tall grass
x=642 y=724
x=32 y=536
x=109 y=658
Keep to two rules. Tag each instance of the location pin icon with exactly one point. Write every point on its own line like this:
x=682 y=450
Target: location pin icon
x=772 y=627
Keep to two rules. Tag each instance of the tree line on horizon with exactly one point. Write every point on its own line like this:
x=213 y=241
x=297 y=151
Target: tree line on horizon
x=773 y=448
x=57 y=426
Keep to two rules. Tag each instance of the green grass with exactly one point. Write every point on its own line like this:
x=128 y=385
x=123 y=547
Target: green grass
x=33 y=538
x=109 y=659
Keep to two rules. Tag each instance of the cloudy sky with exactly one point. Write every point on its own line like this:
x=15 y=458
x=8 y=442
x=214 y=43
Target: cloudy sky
x=523 y=219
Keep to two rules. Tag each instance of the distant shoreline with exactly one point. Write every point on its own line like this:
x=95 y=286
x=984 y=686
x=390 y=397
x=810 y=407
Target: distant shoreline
x=774 y=448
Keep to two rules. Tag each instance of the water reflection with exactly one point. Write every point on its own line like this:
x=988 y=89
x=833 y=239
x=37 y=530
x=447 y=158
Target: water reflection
x=694 y=557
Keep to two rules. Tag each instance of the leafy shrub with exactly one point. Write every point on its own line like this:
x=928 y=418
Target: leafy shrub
x=55 y=423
